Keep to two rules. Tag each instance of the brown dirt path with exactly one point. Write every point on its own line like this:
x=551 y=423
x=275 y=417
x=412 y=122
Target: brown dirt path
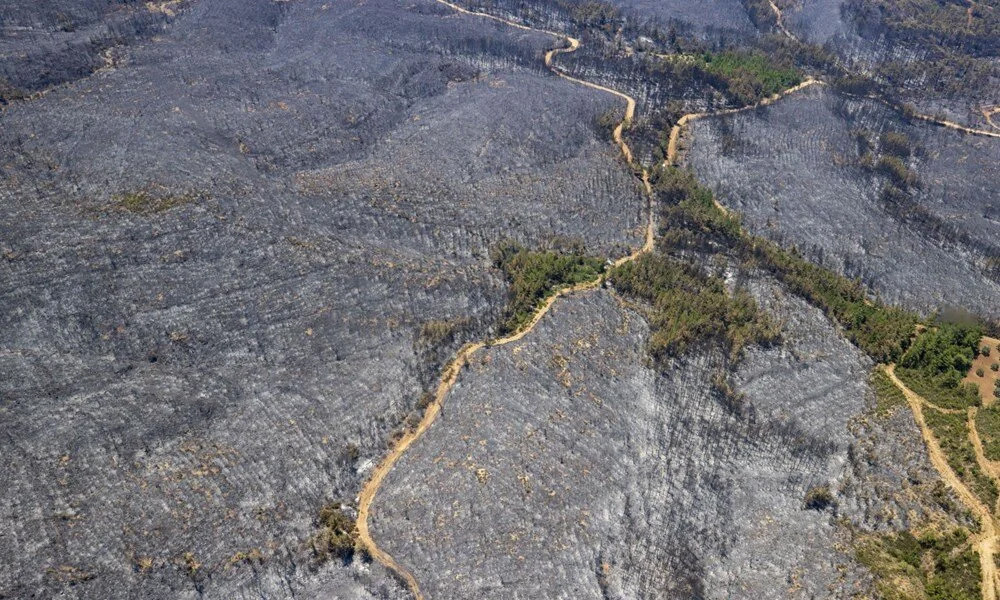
x=987 y=383
x=986 y=540
x=675 y=132
x=988 y=115
x=451 y=373
x=780 y=20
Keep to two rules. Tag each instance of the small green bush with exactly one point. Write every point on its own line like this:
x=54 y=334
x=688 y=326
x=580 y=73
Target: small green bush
x=994 y=367
x=896 y=144
x=979 y=372
x=338 y=533
x=985 y=350
x=819 y=498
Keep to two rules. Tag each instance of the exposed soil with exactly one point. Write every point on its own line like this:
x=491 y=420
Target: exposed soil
x=987 y=383
x=454 y=368
x=986 y=539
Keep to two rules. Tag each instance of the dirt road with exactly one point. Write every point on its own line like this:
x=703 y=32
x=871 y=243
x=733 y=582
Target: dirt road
x=451 y=373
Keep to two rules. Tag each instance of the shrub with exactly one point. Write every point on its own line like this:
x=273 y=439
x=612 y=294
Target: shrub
x=935 y=566
x=979 y=372
x=988 y=426
x=440 y=331
x=897 y=171
x=338 y=533
x=994 y=367
x=533 y=276
x=145 y=202
x=985 y=350
x=896 y=144
x=953 y=435
x=888 y=396
x=819 y=498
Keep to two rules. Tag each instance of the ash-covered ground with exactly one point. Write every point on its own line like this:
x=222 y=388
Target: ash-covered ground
x=566 y=466
x=793 y=171
x=218 y=258
x=239 y=239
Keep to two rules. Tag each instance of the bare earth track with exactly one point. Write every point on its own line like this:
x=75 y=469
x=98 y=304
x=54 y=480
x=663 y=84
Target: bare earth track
x=454 y=368
x=986 y=539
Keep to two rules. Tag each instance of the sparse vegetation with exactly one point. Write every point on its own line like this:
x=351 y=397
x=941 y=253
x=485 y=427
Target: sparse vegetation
x=897 y=172
x=534 y=275
x=888 y=397
x=988 y=427
x=146 y=202
x=897 y=144
x=440 y=331
x=952 y=433
x=819 y=498
x=929 y=567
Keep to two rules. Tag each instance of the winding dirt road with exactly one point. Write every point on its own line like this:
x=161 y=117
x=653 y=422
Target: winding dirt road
x=454 y=368
x=986 y=540
x=675 y=132
x=779 y=19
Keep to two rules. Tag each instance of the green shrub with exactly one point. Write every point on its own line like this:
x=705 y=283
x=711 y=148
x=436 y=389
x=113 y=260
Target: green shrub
x=819 y=498
x=979 y=372
x=533 y=276
x=995 y=367
x=687 y=307
x=338 y=533
x=938 y=360
x=985 y=350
